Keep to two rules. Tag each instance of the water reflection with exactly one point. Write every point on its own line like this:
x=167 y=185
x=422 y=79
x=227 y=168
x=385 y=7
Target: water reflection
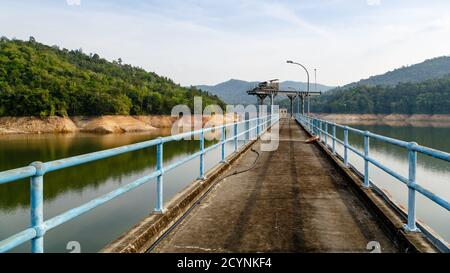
x=71 y=187
x=432 y=173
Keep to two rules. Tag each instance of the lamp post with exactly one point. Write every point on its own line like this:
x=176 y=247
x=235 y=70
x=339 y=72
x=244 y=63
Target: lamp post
x=307 y=74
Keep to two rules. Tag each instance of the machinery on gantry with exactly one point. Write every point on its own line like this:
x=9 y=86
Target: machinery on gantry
x=272 y=88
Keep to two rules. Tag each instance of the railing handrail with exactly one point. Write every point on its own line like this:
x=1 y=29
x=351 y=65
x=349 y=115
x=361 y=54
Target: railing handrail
x=417 y=147
x=314 y=126
x=36 y=170
x=28 y=171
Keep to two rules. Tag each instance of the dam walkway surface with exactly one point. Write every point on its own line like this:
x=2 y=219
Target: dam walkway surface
x=292 y=199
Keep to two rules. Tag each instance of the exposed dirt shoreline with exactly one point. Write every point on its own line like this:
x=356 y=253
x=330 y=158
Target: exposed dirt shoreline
x=419 y=120
x=123 y=124
x=100 y=124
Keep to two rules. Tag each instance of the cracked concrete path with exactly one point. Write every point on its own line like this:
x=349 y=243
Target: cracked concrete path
x=293 y=200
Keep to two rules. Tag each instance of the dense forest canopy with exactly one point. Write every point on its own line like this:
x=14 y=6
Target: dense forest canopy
x=38 y=80
x=429 y=69
x=428 y=97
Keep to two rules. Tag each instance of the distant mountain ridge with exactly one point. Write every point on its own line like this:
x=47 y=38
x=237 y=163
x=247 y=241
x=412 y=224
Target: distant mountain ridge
x=429 y=69
x=234 y=91
x=422 y=88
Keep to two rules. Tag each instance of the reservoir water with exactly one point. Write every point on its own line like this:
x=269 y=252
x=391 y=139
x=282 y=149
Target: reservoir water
x=433 y=174
x=74 y=186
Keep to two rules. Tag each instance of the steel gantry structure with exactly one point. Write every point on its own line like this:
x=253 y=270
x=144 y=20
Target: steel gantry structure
x=271 y=89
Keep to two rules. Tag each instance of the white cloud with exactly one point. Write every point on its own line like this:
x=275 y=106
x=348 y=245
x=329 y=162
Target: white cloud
x=73 y=2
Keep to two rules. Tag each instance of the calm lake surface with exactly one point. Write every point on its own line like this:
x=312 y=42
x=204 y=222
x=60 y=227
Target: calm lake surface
x=433 y=174
x=74 y=186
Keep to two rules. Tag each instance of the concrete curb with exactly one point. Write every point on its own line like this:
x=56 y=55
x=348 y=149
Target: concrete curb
x=144 y=234
x=384 y=210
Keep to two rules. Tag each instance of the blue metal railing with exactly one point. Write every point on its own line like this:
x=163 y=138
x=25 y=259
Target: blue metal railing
x=315 y=126
x=36 y=171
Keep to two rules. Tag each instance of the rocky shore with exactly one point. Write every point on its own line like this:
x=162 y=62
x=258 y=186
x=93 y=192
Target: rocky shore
x=100 y=124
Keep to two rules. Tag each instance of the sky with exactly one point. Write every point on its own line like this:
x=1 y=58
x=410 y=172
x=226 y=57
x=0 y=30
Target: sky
x=208 y=41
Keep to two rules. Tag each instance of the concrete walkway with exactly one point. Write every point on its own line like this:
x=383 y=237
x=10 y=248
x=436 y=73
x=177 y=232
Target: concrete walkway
x=293 y=200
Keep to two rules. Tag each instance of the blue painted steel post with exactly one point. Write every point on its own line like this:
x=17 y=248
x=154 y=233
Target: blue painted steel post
x=235 y=136
x=264 y=124
x=257 y=127
x=247 y=129
x=316 y=127
x=366 y=159
x=334 y=138
x=313 y=126
x=326 y=134
x=412 y=162
x=37 y=207
x=159 y=180
x=202 y=154
x=224 y=130
x=320 y=131
x=346 y=146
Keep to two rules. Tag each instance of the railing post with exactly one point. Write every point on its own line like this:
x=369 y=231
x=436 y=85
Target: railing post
x=313 y=122
x=257 y=127
x=334 y=138
x=412 y=162
x=202 y=155
x=326 y=134
x=159 y=180
x=366 y=159
x=247 y=129
x=235 y=135
x=224 y=130
x=264 y=124
x=319 y=130
x=311 y=126
x=346 y=146
x=37 y=207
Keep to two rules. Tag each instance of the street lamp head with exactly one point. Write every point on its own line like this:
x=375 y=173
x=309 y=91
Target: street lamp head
x=289 y=62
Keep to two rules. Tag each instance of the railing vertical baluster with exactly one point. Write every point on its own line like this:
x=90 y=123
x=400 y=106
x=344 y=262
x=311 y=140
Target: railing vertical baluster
x=247 y=129
x=257 y=126
x=235 y=135
x=37 y=207
x=346 y=146
x=313 y=124
x=412 y=162
x=320 y=131
x=202 y=154
x=334 y=138
x=316 y=130
x=262 y=126
x=366 y=159
x=264 y=123
x=326 y=134
x=224 y=130
x=159 y=180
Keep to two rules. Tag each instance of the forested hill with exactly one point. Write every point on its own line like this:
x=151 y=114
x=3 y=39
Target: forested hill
x=428 y=97
x=38 y=80
x=427 y=70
